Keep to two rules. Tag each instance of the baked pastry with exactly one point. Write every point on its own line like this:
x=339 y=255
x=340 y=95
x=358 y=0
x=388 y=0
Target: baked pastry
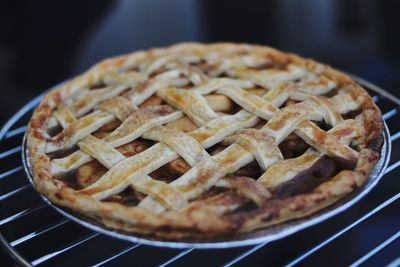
x=196 y=141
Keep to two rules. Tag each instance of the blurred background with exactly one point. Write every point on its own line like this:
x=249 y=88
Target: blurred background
x=46 y=42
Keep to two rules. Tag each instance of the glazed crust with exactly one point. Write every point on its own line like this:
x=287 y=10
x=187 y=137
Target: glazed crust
x=197 y=220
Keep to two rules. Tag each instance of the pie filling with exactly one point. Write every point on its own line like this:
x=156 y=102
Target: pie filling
x=220 y=133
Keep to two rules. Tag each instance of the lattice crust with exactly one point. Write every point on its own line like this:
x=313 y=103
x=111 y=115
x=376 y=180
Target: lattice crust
x=210 y=111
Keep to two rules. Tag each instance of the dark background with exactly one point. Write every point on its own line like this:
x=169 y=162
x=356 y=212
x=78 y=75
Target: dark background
x=45 y=42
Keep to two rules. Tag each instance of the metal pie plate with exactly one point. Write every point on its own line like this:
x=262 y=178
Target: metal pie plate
x=242 y=239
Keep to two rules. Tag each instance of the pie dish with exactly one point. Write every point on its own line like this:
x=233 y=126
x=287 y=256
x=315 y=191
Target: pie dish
x=196 y=141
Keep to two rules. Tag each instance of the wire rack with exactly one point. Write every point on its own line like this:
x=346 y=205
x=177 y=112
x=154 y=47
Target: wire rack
x=33 y=233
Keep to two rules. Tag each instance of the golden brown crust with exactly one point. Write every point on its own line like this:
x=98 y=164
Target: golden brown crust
x=199 y=220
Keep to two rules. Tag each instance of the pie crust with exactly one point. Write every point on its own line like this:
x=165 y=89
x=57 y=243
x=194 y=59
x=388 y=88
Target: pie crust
x=196 y=141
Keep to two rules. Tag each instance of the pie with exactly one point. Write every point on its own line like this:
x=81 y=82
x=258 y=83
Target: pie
x=199 y=141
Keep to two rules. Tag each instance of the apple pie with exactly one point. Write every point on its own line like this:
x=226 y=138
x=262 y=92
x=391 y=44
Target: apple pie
x=203 y=140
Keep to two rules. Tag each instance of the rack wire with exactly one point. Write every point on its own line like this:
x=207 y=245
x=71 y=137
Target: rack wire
x=33 y=233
